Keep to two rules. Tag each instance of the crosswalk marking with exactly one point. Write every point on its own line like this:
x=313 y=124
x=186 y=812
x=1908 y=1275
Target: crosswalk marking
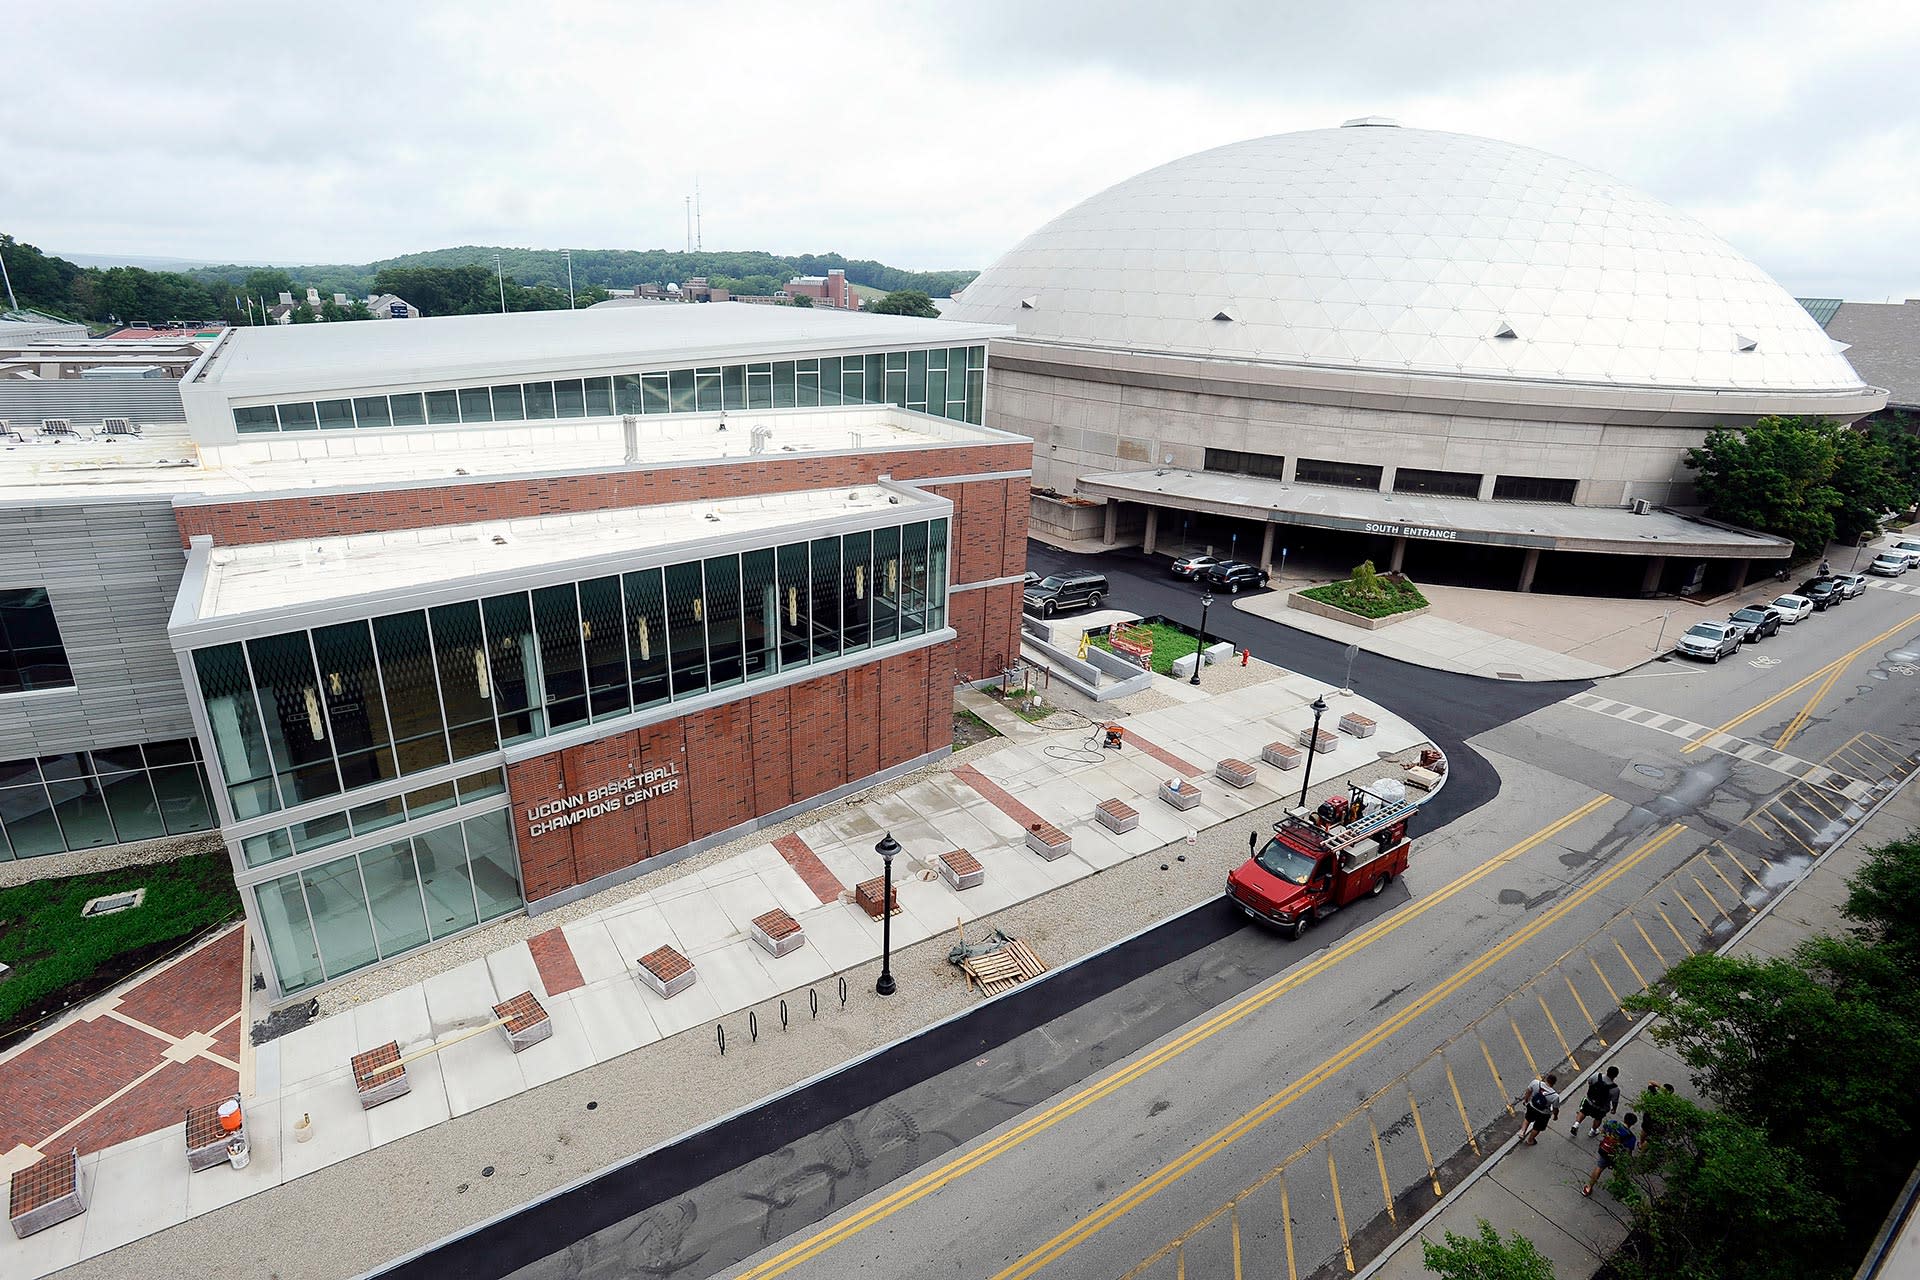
x=1885 y=584
x=1792 y=766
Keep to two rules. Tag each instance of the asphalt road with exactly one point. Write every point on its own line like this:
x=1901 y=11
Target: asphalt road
x=1588 y=845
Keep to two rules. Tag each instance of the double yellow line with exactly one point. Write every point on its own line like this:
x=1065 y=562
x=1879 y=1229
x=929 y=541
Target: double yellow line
x=965 y=1163
x=1170 y=1173
x=1832 y=673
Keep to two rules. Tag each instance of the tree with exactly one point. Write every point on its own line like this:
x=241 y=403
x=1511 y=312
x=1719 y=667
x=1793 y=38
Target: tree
x=1775 y=476
x=353 y=310
x=906 y=302
x=1881 y=900
x=1486 y=1257
x=1867 y=480
x=800 y=300
x=1365 y=581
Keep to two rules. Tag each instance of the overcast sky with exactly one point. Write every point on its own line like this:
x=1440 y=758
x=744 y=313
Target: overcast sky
x=924 y=135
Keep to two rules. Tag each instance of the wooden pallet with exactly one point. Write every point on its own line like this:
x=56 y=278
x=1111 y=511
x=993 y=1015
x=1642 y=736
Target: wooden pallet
x=1004 y=969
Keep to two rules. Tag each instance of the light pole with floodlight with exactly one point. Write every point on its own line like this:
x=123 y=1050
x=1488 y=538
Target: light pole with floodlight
x=887 y=848
x=1313 y=748
x=1199 y=651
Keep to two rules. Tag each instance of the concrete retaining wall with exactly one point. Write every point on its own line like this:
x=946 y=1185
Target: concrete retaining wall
x=1322 y=609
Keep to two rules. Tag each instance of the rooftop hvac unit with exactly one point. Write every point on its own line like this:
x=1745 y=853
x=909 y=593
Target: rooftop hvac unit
x=1641 y=506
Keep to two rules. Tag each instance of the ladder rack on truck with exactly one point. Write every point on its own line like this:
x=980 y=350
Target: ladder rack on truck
x=1343 y=838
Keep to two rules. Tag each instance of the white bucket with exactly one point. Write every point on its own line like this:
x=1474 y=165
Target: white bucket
x=239 y=1153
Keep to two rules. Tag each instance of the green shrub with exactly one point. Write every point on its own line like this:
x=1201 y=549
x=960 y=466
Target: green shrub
x=1369 y=594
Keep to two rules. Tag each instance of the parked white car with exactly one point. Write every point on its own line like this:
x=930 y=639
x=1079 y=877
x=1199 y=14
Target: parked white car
x=1852 y=584
x=1888 y=564
x=1792 y=608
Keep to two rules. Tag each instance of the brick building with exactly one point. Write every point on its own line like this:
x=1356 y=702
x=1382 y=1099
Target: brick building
x=829 y=290
x=507 y=610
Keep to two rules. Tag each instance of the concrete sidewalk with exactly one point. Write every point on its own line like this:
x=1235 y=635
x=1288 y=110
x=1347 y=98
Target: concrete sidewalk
x=1536 y=1190
x=583 y=972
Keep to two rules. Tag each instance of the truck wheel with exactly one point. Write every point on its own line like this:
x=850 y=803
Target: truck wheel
x=1379 y=886
x=1093 y=600
x=1047 y=609
x=1298 y=928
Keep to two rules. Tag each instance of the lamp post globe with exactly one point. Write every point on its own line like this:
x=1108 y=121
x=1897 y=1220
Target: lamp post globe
x=1199 y=651
x=887 y=849
x=1313 y=748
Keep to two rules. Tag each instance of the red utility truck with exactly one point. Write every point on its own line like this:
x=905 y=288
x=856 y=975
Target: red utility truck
x=1317 y=863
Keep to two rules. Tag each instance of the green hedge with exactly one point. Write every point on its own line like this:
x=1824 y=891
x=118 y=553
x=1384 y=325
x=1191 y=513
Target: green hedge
x=1169 y=643
x=1394 y=597
x=51 y=946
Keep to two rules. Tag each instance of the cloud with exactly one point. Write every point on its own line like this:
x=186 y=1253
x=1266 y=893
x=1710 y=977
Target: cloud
x=923 y=136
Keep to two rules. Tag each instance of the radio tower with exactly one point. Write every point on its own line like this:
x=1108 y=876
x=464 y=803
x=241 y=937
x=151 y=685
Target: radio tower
x=699 y=242
x=689 y=224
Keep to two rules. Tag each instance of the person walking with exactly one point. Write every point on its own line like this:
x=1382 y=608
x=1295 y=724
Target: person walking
x=1542 y=1104
x=1616 y=1140
x=1602 y=1100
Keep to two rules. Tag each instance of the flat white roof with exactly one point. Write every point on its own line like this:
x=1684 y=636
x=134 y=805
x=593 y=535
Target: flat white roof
x=297 y=360
x=165 y=461
x=277 y=576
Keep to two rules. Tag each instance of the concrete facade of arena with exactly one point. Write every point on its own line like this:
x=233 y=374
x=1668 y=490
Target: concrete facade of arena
x=435 y=672
x=1372 y=315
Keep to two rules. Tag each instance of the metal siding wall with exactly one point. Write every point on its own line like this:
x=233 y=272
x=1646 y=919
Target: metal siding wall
x=112 y=570
x=86 y=402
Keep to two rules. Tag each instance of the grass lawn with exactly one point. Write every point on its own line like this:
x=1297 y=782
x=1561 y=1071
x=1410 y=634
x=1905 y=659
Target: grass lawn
x=969 y=729
x=1169 y=644
x=59 y=958
x=1396 y=597
x=1015 y=705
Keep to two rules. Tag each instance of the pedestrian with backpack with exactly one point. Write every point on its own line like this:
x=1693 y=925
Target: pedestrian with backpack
x=1542 y=1107
x=1616 y=1140
x=1602 y=1100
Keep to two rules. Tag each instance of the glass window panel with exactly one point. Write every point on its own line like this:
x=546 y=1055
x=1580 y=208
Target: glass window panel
x=235 y=722
x=182 y=793
x=686 y=625
x=976 y=358
x=427 y=801
x=795 y=606
x=917 y=379
x=283 y=919
x=956 y=367
x=377 y=815
x=475 y=405
x=759 y=611
x=681 y=400
x=65 y=766
x=539 y=400
x=131 y=802
x=830 y=378
x=976 y=395
x=255 y=419
x=393 y=892
x=478 y=786
x=172 y=751
x=508 y=405
x=856 y=590
x=296 y=722
x=806 y=386
x=733 y=385
x=32 y=654
x=655 y=394
x=409 y=410
x=413 y=701
x=515 y=660
x=460 y=657
x=646 y=638
x=706 y=384
x=626 y=393
x=556 y=616
x=108 y=760
x=826 y=597
x=335 y=415
x=27 y=813
x=356 y=712
x=874 y=383
x=372 y=411
x=725 y=651
x=496 y=871
x=442 y=855
x=599 y=397
x=886 y=585
x=603 y=631
x=937 y=360
x=760 y=386
x=298 y=417
x=268 y=846
x=318 y=833
x=569 y=399
x=783 y=384
x=341 y=922
x=913 y=580
x=936 y=574
x=896 y=389
x=936 y=391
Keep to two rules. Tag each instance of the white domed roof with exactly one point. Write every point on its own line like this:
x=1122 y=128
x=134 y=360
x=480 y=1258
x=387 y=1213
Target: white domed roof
x=1406 y=250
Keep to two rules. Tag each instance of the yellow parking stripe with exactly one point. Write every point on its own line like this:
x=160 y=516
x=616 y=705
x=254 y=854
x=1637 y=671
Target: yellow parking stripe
x=1591 y=1020
x=1565 y=1048
x=1339 y=1210
x=1380 y=1158
x=1664 y=962
x=1464 y=1122
x=1498 y=1083
x=1426 y=1152
x=1286 y=1228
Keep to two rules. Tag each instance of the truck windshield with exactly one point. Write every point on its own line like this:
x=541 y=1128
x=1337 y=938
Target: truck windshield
x=1288 y=863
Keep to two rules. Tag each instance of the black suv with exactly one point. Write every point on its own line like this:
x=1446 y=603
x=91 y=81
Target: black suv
x=1824 y=592
x=1065 y=591
x=1231 y=575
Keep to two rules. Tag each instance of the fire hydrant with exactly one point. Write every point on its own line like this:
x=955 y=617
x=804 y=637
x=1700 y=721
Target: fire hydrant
x=1244 y=655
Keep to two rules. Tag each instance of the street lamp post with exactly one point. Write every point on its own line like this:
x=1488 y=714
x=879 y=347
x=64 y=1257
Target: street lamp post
x=1313 y=748
x=1200 y=650
x=887 y=848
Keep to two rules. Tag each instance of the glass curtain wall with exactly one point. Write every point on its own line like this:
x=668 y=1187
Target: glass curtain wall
x=304 y=715
x=86 y=799
x=947 y=382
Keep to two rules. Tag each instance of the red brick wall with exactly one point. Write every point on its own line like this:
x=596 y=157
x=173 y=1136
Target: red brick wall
x=333 y=514
x=737 y=762
x=986 y=624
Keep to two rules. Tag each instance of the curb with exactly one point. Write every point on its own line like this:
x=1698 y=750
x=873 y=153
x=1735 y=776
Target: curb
x=1416 y=1229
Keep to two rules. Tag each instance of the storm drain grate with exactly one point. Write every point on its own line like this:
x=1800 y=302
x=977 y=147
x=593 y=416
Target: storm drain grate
x=107 y=904
x=1510 y=675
